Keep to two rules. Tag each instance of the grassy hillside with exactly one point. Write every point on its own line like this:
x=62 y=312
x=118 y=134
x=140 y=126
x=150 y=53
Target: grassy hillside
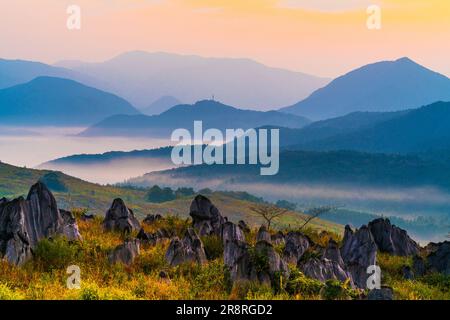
x=72 y=193
x=45 y=276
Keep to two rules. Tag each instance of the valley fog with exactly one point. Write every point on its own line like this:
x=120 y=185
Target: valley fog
x=30 y=147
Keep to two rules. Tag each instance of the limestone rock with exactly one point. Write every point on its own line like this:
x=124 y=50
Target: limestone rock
x=263 y=235
x=24 y=222
x=151 y=218
x=439 y=260
x=69 y=228
x=244 y=226
x=391 y=239
x=358 y=251
x=189 y=249
x=120 y=218
x=205 y=215
x=125 y=253
x=296 y=245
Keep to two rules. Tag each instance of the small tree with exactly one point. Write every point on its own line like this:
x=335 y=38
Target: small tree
x=314 y=213
x=268 y=212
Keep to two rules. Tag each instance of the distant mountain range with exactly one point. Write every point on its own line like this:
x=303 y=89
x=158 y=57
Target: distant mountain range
x=213 y=114
x=14 y=72
x=311 y=167
x=142 y=77
x=416 y=131
x=56 y=101
x=382 y=86
x=160 y=105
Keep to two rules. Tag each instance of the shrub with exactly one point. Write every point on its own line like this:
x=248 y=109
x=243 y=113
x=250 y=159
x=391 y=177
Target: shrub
x=335 y=290
x=6 y=293
x=56 y=253
x=299 y=284
x=213 y=246
x=158 y=195
x=212 y=280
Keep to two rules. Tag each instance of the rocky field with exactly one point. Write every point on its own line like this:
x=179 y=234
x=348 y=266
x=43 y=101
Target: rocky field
x=204 y=256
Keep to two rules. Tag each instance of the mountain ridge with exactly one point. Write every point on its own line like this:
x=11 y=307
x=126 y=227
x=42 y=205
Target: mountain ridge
x=381 y=86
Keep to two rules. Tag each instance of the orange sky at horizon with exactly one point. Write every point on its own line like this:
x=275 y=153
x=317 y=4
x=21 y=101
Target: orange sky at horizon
x=308 y=36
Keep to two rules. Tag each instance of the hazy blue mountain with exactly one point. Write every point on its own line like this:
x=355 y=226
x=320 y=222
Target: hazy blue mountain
x=141 y=77
x=56 y=101
x=325 y=129
x=160 y=105
x=13 y=72
x=213 y=114
x=421 y=130
x=382 y=86
x=318 y=168
x=103 y=158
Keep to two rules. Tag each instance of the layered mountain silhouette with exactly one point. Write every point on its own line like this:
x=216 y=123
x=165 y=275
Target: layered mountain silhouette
x=160 y=105
x=420 y=130
x=382 y=86
x=14 y=72
x=56 y=101
x=142 y=77
x=213 y=114
x=346 y=168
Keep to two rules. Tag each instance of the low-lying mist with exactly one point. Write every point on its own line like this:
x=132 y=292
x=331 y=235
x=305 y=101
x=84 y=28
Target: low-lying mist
x=31 y=147
x=111 y=172
x=423 y=211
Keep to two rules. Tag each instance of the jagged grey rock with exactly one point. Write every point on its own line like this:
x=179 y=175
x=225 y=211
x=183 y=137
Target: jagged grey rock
x=244 y=226
x=189 y=249
x=70 y=227
x=296 y=245
x=120 y=218
x=24 y=222
x=125 y=253
x=392 y=239
x=278 y=238
x=151 y=218
x=439 y=260
x=358 y=251
x=324 y=269
x=418 y=266
x=275 y=264
x=205 y=216
x=330 y=266
x=332 y=252
x=263 y=235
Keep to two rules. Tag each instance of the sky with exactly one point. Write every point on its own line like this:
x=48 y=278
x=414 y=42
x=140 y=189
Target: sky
x=320 y=37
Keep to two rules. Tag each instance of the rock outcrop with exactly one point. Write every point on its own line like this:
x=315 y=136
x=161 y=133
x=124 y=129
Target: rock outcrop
x=153 y=238
x=358 y=252
x=151 y=218
x=296 y=245
x=70 y=227
x=263 y=235
x=243 y=225
x=391 y=239
x=439 y=260
x=189 y=249
x=125 y=253
x=206 y=218
x=278 y=238
x=120 y=218
x=24 y=222
x=330 y=266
